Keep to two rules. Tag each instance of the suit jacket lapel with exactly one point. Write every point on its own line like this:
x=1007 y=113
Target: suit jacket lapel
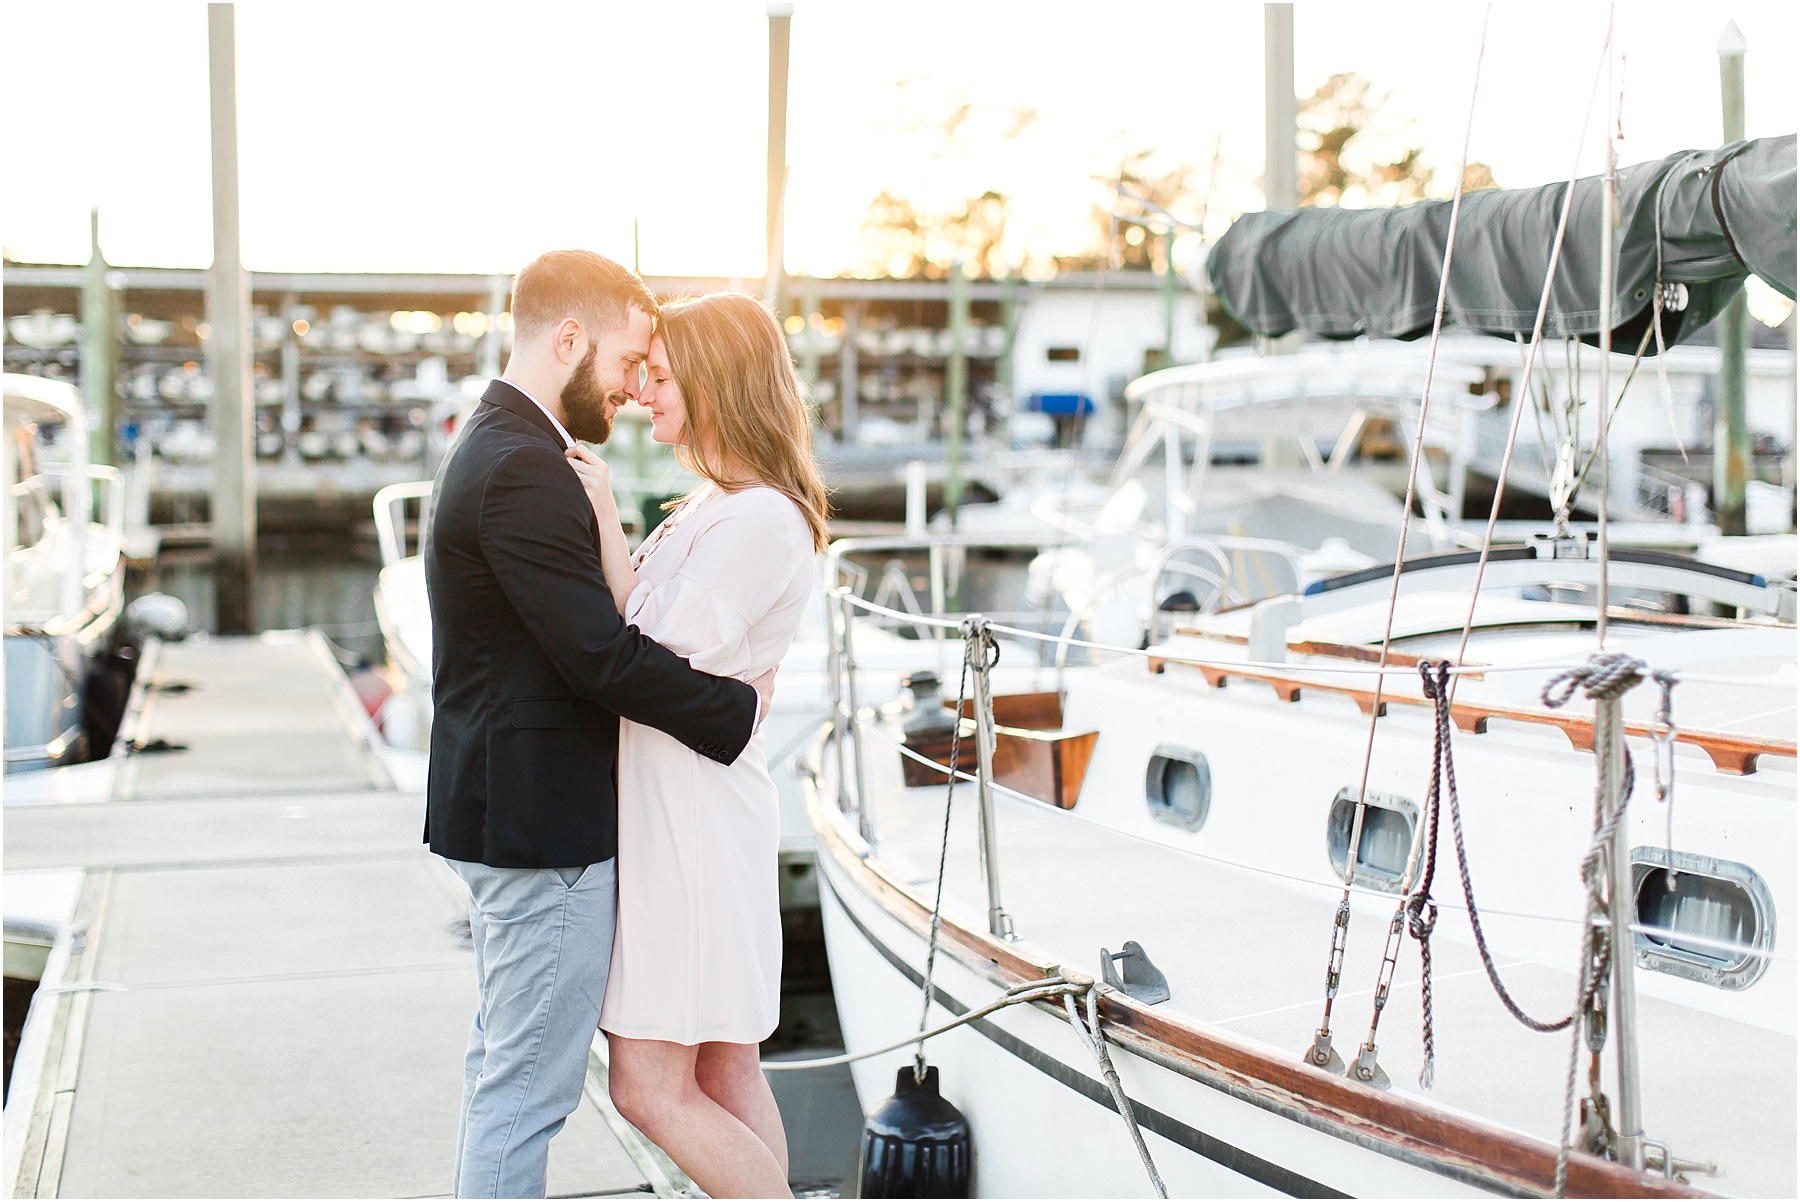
x=505 y=396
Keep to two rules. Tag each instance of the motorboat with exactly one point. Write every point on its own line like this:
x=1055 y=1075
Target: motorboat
x=64 y=571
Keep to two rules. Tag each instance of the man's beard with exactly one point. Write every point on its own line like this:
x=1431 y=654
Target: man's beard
x=588 y=408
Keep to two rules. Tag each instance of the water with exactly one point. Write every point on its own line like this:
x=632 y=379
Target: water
x=320 y=579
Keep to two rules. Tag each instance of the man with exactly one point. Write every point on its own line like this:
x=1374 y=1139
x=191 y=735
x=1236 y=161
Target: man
x=532 y=665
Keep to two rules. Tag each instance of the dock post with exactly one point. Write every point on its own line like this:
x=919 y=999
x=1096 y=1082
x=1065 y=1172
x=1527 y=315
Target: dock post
x=1168 y=298
x=809 y=335
x=99 y=347
x=1731 y=433
x=498 y=288
x=975 y=629
x=781 y=18
x=848 y=370
x=956 y=389
x=1009 y=307
x=229 y=350
x=290 y=379
x=1281 y=184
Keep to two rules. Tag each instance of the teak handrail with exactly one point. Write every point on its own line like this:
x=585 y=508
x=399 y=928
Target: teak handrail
x=1735 y=754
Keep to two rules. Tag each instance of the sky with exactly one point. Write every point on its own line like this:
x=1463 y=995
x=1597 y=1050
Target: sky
x=391 y=135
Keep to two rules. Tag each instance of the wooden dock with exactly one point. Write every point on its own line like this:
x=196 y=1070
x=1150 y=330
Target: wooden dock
x=261 y=991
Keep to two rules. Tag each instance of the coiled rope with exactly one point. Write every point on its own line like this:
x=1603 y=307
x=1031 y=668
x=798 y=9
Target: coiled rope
x=1437 y=687
x=1607 y=676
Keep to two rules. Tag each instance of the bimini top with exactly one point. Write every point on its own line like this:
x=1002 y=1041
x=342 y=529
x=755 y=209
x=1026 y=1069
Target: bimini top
x=1716 y=215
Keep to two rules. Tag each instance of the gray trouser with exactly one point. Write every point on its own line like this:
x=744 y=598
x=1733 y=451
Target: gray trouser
x=543 y=944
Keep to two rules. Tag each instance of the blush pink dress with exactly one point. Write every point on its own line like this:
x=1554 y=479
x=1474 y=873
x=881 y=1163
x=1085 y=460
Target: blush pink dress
x=696 y=955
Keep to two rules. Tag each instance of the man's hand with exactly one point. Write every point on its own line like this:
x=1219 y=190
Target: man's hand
x=765 y=692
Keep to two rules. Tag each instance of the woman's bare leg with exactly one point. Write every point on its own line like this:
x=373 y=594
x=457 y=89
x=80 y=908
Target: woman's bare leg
x=731 y=1075
x=654 y=1086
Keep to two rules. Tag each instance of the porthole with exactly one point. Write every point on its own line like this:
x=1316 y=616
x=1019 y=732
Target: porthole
x=1713 y=920
x=1178 y=787
x=1387 y=837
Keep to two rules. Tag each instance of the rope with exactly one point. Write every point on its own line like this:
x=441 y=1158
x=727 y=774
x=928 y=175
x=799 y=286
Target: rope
x=937 y=905
x=1421 y=910
x=1437 y=687
x=1095 y=1039
x=1607 y=676
x=1090 y=1032
x=1030 y=991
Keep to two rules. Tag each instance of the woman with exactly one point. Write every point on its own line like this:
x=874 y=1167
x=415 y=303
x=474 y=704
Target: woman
x=696 y=970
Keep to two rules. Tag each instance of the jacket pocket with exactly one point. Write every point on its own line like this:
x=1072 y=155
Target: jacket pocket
x=559 y=713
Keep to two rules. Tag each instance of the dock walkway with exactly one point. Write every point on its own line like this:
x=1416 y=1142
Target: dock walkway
x=269 y=998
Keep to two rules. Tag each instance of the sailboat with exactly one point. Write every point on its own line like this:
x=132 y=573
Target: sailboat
x=1332 y=889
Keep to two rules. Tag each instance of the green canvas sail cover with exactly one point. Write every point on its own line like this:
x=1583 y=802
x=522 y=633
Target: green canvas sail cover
x=1344 y=273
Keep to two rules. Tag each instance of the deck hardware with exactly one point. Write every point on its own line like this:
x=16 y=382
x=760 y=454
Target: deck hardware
x=1390 y=826
x=1321 y=1054
x=1178 y=787
x=983 y=654
x=1606 y=874
x=1364 y=1068
x=1135 y=974
x=1701 y=918
x=1662 y=742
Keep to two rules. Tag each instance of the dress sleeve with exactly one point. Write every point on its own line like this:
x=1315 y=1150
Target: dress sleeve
x=740 y=565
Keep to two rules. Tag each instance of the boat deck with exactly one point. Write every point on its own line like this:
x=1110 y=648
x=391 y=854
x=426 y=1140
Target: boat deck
x=269 y=998
x=1245 y=953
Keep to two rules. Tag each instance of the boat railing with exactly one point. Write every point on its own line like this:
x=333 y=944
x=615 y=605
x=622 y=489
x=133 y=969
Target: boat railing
x=391 y=506
x=106 y=498
x=845 y=609
x=1672 y=495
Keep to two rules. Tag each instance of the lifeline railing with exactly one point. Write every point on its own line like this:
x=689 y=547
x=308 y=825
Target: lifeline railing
x=850 y=721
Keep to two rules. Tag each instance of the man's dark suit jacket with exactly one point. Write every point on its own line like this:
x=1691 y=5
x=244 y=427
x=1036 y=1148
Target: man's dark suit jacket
x=532 y=664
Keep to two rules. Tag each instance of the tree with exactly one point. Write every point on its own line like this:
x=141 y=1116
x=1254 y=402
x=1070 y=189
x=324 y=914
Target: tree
x=1119 y=243
x=902 y=242
x=1347 y=157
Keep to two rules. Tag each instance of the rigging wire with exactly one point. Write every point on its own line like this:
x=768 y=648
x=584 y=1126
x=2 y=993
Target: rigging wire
x=1251 y=665
x=1537 y=336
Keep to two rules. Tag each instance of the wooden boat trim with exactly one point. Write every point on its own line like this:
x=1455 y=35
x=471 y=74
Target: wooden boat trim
x=1459 y=1147
x=1043 y=765
x=1730 y=753
x=1355 y=652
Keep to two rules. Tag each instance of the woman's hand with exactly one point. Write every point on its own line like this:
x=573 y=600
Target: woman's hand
x=596 y=481
x=615 y=555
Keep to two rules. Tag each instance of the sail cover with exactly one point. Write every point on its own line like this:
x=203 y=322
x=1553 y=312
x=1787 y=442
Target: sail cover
x=1717 y=216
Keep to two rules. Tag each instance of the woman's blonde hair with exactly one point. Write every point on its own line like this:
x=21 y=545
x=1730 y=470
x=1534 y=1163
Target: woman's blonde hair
x=738 y=382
